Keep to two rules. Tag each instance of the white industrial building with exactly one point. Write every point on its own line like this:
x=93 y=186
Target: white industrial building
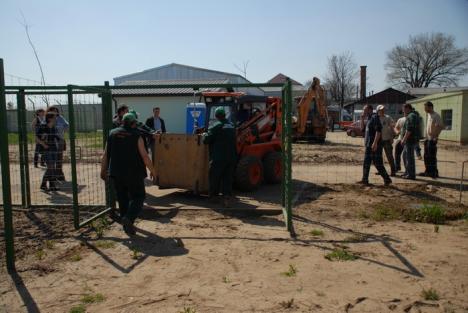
x=172 y=101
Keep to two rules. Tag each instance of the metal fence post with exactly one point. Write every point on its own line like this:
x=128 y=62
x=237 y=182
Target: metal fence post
x=6 y=186
x=288 y=156
x=106 y=128
x=71 y=120
x=21 y=139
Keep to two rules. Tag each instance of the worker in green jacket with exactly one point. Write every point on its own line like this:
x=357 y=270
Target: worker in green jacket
x=221 y=138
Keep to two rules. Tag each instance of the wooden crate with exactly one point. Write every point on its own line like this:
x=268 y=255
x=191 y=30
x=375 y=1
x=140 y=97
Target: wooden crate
x=181 y=161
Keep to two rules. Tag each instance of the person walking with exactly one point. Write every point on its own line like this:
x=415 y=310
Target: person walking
x=124 y=163
x=62 y=126
x=410 y=141
x=388 y=134
x=221 y=138
x=398 y=146
x=370 y=122
x=47 y=136
x=433 y=128
x=35 y=124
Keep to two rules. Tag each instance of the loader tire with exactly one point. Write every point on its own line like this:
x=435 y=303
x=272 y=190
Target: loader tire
x=273 y=168
x=249 y=173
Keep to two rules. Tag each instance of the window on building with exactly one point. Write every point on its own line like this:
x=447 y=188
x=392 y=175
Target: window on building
x=447 y=119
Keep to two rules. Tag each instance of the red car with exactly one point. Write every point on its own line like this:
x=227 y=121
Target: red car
x=354 y=130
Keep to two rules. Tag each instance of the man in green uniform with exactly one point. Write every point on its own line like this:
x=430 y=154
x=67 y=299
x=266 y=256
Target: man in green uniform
x=221 y=138
x=124 y=163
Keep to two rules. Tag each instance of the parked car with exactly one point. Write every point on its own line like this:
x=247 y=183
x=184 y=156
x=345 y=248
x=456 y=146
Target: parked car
x=354 y=130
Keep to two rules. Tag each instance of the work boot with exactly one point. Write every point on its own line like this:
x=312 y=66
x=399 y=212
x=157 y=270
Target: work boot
x=128 y=227
x=52 y=186
x=227 y=201
x=363 y=182
x=388 y=182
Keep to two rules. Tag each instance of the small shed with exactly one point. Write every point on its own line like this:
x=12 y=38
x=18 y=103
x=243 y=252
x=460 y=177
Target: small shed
x=453 y=109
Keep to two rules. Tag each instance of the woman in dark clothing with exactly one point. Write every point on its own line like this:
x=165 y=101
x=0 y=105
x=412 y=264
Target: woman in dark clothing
x=48 y=138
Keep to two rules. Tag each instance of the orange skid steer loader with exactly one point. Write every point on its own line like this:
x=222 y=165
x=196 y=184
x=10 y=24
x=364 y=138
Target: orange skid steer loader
x=181 y=161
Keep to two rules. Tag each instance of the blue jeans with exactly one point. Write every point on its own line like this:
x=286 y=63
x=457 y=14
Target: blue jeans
x=408 y=159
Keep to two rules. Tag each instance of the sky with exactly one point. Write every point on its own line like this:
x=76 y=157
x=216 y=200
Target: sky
x=89 y=42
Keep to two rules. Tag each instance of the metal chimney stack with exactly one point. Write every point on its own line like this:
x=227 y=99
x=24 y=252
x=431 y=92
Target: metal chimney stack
x=363 y=81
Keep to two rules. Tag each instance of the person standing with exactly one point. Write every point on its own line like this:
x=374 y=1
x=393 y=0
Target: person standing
x=373 y=146
x=62 y=126
x=121 y=111
x=410 y=141
x=221 y=138
x=157 y=124
x=433 y=128
x=124 y=162
x=47 y=136
x=398 y=146
x=387 y=137
x=35 y=124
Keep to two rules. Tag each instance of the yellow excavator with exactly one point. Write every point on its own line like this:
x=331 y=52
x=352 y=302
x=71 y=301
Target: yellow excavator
x=311 y=118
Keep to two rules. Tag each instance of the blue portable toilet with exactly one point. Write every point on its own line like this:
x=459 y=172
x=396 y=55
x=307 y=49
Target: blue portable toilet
x=195 y=117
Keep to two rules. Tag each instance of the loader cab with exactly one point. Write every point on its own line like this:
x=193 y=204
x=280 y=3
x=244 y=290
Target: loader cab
x=238 y=106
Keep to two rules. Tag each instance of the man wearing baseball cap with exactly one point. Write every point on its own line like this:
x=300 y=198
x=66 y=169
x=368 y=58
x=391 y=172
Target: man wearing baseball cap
x=124 y=162
x=221 y=138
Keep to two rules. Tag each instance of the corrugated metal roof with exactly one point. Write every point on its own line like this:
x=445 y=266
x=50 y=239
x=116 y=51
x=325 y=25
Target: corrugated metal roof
x=166 y=91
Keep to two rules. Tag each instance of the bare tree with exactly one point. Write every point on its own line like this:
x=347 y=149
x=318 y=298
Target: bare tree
x=340 y=80
x=243 y=68
x=26 y=26
x=428 y=59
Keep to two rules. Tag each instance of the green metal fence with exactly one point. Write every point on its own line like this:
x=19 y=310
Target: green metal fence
x=83 y=191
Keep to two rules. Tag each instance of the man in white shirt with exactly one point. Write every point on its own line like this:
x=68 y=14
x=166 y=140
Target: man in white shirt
x=387 y=137
x=434 y=126
x=398 y=146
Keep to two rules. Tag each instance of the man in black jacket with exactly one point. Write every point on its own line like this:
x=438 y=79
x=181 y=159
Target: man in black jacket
x=156 y=122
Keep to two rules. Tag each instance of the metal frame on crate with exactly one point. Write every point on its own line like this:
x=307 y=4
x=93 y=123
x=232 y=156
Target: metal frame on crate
x=106 y=93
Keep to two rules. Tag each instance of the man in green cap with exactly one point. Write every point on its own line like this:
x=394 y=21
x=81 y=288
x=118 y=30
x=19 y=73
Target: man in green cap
x=124 y=162
x=221 y=138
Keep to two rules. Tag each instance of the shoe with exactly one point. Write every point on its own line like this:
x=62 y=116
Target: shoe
x=363 y=182
x=393 y=174
x=35 y=165
x=54 y=188
x=128 y=227
x=423 y=174
x=44 y=188
x=409 y=177
x=61 y=178
x=419 y=158
x=388 y=182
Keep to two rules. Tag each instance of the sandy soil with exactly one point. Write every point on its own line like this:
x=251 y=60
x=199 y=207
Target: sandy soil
x=193 y=257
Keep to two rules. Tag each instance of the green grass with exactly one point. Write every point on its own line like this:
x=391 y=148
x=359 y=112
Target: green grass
x=100 y=226
x=40 y=254
x=425 y=213
x=76 y=257
x=432 y=213
x=135 y=253
x=105 y=244
x=226 y=280
x=188 y=310
x=92 y=298
x=49 y=244
x=340 y=255
x=292 y=271
x=430 y=294
x=78 y=309
x=96 y=137
x=316 y=232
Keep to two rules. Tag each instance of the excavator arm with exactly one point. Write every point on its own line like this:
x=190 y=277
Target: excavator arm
x=314 y=93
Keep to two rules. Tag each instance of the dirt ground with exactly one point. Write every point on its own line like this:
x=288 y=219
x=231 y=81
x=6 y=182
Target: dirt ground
x=190 y=256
